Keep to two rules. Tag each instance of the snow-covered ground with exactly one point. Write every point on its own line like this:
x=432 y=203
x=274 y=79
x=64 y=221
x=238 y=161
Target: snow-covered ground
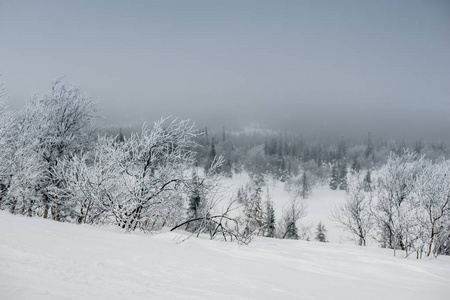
x=43 y=259
x=319 y=204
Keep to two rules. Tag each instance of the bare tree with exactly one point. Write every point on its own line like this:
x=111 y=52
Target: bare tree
x=392 y=211
x=90 y=182
x=6 y=124
x=153 y=167
x=292 y=212
x=433 y=196
x=60 y=123
x=19 y=167
x=354 y=215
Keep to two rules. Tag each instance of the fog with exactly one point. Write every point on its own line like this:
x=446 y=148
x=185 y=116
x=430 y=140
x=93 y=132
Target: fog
x=327 y=67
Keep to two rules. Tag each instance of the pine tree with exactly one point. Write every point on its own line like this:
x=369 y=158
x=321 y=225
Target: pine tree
x=211 y=156
x=253 y=213
x=342 y=176
x=369 y=149
x=120 y=138
x=342 y=150
x=291 y=231
x=241 y=196
x=334 y=180
x=356 y=167
x=306 y=186
x=195 y=203
x=293 y=212
x=367 y=181
x=212 y=153
x=223 y=135
x=320 y=233
x=270 y=219
x=195 y=198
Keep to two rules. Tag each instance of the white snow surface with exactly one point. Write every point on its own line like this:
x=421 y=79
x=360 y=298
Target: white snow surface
x=319 y=205
x=44 y=259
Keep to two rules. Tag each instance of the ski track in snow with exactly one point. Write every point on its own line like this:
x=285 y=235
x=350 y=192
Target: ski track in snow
x=43 y=259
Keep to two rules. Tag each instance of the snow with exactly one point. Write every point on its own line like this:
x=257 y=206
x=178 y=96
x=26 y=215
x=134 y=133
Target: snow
x=43 y=259
x=319 y=204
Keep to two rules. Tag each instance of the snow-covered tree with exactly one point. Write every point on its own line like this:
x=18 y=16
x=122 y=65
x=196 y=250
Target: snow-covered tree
x=90 y=183
x=342 y=169
x=301 y=185
x=367 y=182
x=204 y=193
x=321 y=233
x=305 y=231
x=334 y=180
x=306 y=186
x=270 y=219
x=253 y=215
x=60 y=123
x=292 y=212
x=433 y=196
x=354 y=215
x=153 y=166
x=6 y=124
x=21 y=171
x=394 y=209
x=195 y=202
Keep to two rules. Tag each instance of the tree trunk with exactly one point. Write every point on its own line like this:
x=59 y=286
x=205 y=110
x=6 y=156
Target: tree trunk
x=46 y=211
x=431 y=241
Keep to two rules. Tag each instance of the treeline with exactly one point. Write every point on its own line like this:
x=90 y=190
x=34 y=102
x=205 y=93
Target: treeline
x=58 y=162
x=286 y=156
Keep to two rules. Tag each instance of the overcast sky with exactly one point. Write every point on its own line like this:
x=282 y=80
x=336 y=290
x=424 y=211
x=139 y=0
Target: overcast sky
x=344 y=66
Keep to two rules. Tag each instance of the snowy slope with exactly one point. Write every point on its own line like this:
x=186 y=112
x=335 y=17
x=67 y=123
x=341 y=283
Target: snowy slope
x=43 y=259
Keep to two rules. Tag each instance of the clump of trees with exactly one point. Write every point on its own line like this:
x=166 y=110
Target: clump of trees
x=408 y=208
x=57 y=163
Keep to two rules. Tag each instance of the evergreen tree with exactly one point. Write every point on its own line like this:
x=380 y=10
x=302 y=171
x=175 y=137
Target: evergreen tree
x=334 y=180
x=342 y=176
x=291 y=231
x=369 y=149
x=356 y=167
x=292 y=212
x=306 y=186
x=342 y=150
x=282 y=170
x=120 y=138
x=223 y=135
x=418 y=146
x=320 y=233
x=211 y=155
x=253 y=214
x=270 y=219
x=195 y=198
x=195 y=203
x=367 y=181
x=241 y=196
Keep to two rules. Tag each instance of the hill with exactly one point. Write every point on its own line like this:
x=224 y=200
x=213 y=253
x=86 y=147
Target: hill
x=43 y=259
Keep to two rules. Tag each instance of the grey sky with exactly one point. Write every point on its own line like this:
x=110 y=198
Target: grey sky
x=315 y=65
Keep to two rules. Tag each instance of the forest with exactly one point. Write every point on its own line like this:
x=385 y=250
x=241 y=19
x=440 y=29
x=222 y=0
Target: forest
x=59 y=161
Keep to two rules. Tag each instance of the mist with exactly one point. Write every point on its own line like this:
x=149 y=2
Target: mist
x=314 y=68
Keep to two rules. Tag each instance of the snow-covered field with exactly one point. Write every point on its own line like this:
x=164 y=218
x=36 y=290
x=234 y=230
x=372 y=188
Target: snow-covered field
x=319 y=204
x=43 y=259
